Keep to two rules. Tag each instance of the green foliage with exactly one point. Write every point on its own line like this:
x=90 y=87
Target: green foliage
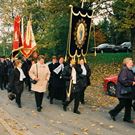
x=50 y=20
x=124 y=12
x=107 y=58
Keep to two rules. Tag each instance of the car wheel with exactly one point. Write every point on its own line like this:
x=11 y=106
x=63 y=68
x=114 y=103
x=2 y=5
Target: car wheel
x=111 y=89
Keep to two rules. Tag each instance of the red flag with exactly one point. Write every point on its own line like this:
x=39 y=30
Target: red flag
x=17 y=41
x=29 y=41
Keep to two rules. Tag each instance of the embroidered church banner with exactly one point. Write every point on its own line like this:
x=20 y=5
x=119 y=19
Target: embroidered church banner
x=80 y=23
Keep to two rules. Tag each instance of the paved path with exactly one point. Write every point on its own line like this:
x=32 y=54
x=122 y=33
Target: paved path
x=54 y=121
x=3 y=130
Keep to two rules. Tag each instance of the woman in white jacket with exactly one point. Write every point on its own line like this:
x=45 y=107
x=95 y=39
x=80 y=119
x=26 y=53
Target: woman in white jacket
x=39 y=72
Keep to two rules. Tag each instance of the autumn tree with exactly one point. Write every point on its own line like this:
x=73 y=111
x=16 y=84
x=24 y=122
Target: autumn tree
x=124 y=15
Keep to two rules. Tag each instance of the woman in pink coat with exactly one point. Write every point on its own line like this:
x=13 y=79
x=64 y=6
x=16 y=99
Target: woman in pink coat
x=39 y=72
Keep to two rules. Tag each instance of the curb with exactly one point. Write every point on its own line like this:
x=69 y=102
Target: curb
x=11 y=125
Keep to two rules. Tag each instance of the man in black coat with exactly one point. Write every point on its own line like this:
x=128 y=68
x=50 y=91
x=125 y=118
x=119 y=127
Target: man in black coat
x=3 y=73
x=51 y=90
x=26 y=64
x=57 y=82
x=73 y=85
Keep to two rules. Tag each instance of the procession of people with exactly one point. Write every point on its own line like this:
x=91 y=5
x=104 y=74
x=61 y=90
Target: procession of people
x=62 y=80
x=39 y=77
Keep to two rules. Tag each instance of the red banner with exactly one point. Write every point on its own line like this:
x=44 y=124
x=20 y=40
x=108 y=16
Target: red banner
x=17 y=41
x=29 y=41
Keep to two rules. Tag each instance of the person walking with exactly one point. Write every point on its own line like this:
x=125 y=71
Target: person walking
x=124 y=91
x=51 y=86
x=16 y=81
x=71 y=74
x=39 y=72
x=58 y=83
x=85 y=77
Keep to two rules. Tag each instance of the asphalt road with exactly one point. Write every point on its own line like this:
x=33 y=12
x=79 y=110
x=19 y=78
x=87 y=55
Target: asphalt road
x=54 y=121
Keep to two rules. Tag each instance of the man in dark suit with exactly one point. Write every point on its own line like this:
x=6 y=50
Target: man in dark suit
x=52 y=66
x=26 y=64
x=3 y=73
x=71 y=74
x=58 y=83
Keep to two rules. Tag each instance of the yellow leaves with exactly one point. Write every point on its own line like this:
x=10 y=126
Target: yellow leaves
x=84 y=131
x=58 y=122
x=111 y=126
x=100 y=71
x=93 y=125
x=60 y=133
x=75 y=134
x=34 y=113
x=36 y=126
x=96 y=98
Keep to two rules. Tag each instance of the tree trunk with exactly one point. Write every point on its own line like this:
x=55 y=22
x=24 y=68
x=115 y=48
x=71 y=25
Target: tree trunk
x=133 y=42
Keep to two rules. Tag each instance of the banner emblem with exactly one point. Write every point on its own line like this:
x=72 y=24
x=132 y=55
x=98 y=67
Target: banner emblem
x=80 y=33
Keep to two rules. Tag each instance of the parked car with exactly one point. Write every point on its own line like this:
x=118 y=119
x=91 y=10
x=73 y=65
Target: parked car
x=118 y=48
x=106 y=47
x=109 y=85
x=126 y=45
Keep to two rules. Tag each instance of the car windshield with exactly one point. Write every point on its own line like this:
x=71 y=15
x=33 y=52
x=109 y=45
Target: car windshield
x=102 y=45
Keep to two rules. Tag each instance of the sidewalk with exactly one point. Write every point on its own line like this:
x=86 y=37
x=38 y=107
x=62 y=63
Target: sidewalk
x=54 y=121
x=3 y=130
x=10 y=126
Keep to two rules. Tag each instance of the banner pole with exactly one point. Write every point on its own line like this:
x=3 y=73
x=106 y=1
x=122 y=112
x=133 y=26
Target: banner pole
x=69 y=34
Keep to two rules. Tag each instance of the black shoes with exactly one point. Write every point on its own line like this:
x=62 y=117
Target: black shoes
x=129 y=121
x=39 y=108
x=77 y=112
x=19 y=106
x=48 y=97
x=64 y=107
x=112 y=117
x=51 y=101
x=82 y=102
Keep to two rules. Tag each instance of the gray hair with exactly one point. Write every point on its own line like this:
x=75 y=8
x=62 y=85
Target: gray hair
x=126 y=60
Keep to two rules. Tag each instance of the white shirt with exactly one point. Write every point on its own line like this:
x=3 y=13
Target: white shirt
x=22 y=76
x=84 y=71
x=59 y=68
x=73 y=75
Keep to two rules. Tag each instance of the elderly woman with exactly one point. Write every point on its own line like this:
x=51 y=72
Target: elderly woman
x=124 y=91
x=39 y=72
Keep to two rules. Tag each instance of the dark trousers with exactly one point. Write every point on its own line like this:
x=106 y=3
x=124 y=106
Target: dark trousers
x=39 y=98
x=51 y=93
x=18 y=92
x=1 y=82
x=82 y=94
x=76 y=97
x=123 y=103
x=57 y=93
x=28 y=83
x=83 y=87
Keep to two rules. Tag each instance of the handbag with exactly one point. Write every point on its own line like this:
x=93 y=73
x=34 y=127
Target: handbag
x=126 y=91
x=11 y=96
x=32 y=80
